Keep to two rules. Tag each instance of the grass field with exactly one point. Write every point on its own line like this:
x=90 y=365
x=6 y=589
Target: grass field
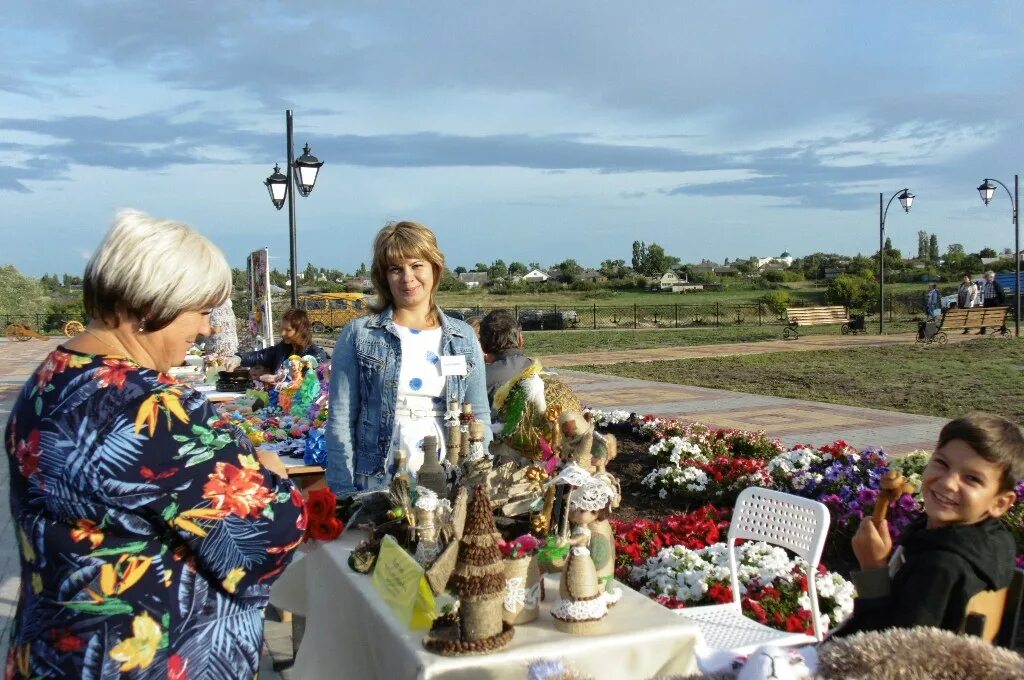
x=579 y=341
x=986 y=374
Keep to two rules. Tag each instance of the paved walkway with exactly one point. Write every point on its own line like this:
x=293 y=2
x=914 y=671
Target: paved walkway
x=792 y=420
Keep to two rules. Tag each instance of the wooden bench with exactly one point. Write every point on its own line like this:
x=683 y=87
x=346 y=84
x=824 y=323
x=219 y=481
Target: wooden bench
x=814 y=316
x=993 y=614
x=976 y=317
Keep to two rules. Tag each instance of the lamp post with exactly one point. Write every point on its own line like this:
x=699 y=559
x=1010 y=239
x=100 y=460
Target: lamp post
x=906 y=200
x=987 y=191
x=304 y=171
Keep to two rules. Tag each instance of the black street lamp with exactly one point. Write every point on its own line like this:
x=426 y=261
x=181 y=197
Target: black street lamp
x=906 y=200
x=987 y=191
x=304 y=171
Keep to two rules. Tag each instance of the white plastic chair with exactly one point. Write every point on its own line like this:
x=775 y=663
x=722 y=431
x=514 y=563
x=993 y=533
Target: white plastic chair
x=798 y=524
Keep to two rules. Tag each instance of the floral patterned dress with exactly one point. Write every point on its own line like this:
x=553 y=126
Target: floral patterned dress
x=149 y=534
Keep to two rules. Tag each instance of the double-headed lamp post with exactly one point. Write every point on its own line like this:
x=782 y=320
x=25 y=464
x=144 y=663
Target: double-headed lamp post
x=906 y=200
x=987 y=191
x=305 y=169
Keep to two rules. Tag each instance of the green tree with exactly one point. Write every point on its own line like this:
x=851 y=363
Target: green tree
x=955 y=249
x=922 y=245
x=656 y=261
x=278 y=278
x=568 y=271
x=613 y=269
x=933 y=248
x=850 y=291
x=19 y=294
x=460 y=270
x=309 y=275
x=639 y=257
x=450 y=282
x=362 y=271
x=987 y=252
x=517 y=269
x=480 y=267
x=497 y=270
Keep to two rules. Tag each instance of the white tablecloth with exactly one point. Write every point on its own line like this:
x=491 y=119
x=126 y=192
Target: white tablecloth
x=351 y=634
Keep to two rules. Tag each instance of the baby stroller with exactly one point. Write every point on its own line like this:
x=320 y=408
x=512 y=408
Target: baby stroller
x=930 y=330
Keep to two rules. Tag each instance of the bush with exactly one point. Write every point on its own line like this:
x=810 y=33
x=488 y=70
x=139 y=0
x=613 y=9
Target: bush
x=850 y=291
x=776 y=302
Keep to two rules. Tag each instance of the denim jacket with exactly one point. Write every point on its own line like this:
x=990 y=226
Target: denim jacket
x=364 y=389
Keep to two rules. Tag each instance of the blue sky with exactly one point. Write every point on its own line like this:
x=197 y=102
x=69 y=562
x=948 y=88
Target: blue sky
x=523 y=131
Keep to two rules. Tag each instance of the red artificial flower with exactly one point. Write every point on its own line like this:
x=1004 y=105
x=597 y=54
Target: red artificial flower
x=239 y=491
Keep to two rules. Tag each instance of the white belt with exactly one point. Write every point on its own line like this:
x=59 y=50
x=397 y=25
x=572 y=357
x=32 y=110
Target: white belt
x=418 y=413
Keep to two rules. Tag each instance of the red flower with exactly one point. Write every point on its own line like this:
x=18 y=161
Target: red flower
x=325 y=529
x=239 y=491
x=151 y=476
x=720 y=593
x=65 y=641
x=298 y=501
x=27 y=453
x=321 y=504
x=795 y=624
x=113 y=373
x=54 y=364
x=177 y=668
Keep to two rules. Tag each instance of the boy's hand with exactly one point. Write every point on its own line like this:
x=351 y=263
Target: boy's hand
x=872 y=544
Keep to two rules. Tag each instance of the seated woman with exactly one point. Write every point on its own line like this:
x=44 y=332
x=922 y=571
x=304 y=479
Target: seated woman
x=296 y=338
x=391 y=372
x=144 y=550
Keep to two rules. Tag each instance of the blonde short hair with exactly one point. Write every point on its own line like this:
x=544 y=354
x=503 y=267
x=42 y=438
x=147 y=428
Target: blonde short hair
x=399 y=241
x=151 y=270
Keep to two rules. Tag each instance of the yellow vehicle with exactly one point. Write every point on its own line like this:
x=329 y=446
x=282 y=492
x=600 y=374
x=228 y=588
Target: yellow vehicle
x=330 y=311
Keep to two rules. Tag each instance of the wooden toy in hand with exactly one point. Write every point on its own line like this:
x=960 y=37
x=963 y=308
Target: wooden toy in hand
x=893 y=486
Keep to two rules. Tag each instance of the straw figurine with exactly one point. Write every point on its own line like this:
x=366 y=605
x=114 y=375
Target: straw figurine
x=479 y=582
x=453 y=433
x=582 y=605
x=431 y=475
x=893 y=486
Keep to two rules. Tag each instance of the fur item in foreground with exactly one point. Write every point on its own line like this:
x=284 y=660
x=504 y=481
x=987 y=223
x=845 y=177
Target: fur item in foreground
x=907 y=654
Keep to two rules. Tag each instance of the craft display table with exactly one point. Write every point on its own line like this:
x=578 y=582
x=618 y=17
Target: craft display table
x=351 y=633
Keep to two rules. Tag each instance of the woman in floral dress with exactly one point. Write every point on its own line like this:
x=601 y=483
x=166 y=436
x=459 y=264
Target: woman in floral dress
x=149 y=531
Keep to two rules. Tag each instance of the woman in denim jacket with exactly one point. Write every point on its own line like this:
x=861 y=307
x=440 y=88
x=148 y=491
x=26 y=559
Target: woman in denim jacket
x=393 y=372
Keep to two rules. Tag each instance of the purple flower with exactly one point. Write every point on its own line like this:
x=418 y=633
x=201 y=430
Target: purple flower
x=867 y=496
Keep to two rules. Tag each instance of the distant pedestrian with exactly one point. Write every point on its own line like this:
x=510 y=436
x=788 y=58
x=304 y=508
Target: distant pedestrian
x=934 y=304
x=966 y=294
x=992 y=294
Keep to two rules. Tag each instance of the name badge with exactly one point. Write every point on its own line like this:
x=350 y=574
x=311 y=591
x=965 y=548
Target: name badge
x=453 y=365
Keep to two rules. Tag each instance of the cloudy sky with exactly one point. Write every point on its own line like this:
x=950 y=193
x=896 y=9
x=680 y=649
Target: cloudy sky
x=530 y=131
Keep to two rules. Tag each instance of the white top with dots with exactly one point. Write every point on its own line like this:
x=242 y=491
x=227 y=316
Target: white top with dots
x=421 y=391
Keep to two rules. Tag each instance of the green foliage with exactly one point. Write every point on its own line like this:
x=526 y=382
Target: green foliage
x=567 y=271
x=450 y=282
x=19 y=294
x=517 y=269
x=850 y=291
x=776 y=301
x=987 y=252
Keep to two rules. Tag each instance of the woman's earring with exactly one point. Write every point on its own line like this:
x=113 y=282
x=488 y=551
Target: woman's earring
x=142 y=326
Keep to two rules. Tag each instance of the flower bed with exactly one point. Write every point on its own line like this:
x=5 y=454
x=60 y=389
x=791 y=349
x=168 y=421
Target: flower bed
x=673 y=558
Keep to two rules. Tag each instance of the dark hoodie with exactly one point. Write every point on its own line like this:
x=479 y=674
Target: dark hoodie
x=944 y=568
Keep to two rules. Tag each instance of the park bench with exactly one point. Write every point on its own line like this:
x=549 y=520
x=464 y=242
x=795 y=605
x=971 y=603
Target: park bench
x=816 y=316
x=965 y=319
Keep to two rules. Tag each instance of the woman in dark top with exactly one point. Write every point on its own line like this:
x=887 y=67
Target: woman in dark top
x=296 y=338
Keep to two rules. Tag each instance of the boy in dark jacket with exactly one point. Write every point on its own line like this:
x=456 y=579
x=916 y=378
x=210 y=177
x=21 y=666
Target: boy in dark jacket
x=959 y=548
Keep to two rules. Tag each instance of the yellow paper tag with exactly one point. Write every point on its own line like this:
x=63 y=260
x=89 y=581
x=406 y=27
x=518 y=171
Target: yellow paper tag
x=402 y=584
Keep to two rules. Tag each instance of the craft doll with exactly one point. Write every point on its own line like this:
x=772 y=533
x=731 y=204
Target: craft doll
x=309 y=389
x=589 y=511
x=577 y=439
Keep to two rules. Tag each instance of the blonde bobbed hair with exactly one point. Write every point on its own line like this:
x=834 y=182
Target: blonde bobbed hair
x=149 y=270
x=399 y=241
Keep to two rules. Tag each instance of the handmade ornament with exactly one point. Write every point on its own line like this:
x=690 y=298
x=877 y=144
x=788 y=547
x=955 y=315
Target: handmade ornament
x=479 y=582
x=893 y=485
x=309 y=389
x=522 y=580
x=431 y=475
x=453 y=434
x=428 y=545
x=465 y=418
x=582 y=605
x=315 y=452
x=589 y=511
x=577 y=439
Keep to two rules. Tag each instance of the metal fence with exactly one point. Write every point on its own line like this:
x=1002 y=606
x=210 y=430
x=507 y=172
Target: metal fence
x=637 y=316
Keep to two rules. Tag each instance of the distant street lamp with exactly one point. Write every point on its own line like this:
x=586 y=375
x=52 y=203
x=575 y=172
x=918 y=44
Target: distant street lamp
x=304 y=170
x=906 y=200
x=987 y=191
